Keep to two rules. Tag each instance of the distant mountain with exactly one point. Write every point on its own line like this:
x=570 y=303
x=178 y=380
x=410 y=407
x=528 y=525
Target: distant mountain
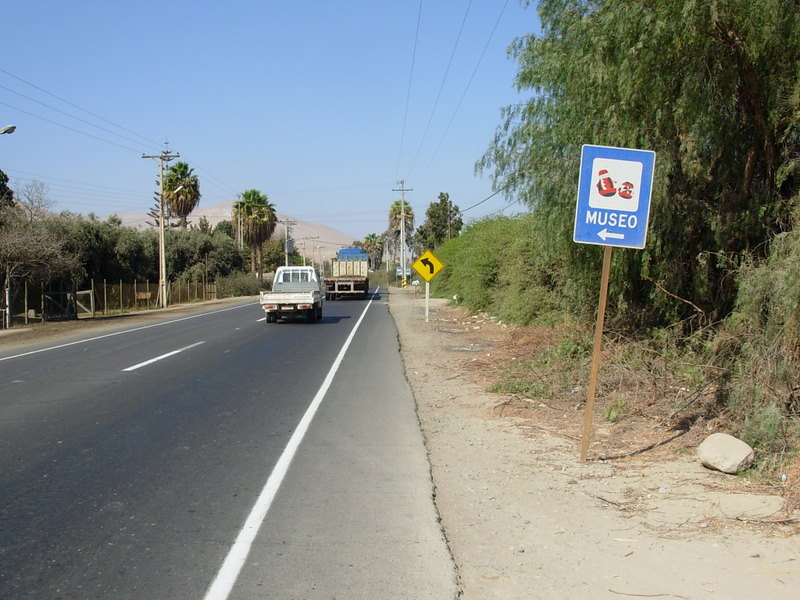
x=328 y=239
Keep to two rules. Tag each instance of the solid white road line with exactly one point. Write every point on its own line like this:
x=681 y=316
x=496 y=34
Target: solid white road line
x=223 y=583
x=162 y=357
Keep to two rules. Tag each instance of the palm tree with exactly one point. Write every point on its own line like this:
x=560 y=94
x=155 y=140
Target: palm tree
x=254 y=219
x=373 y=244
x=181 y=191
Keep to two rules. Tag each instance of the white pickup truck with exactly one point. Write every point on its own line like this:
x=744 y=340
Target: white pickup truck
x=296 y=291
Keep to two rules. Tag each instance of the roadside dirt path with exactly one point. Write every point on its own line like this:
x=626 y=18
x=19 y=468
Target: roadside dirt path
x=526 y=519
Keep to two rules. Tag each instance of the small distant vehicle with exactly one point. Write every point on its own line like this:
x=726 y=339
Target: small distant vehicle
x=350 y=275
x=296 y=292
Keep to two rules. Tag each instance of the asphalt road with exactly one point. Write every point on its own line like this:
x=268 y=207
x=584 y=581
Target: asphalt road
x=136 y=463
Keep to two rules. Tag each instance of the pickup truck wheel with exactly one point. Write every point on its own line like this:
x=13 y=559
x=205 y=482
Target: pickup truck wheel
x=272 y=318
x=319 y=314
x=311 y=315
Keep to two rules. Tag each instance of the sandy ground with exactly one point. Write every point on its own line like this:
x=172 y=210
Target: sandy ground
x=526 y=519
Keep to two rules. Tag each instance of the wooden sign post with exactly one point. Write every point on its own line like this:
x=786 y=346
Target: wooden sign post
x=598 y=341
x=614 y=190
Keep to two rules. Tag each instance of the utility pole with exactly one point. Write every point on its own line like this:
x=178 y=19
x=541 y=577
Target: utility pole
x=403 y=189
x=287 y=224
x=309 y=237
x=449 y=218
x=162 y=158
x=239 y=232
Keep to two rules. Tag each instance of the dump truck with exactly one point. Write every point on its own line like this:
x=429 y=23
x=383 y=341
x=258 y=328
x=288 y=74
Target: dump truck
x=350 y=275
x=296 y=292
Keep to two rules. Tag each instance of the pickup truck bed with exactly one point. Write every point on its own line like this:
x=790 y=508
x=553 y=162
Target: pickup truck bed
x=295 y=292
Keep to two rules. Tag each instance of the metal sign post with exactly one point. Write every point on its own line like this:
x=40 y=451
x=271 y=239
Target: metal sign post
x=428 y=267
x=613 y=208
x=427 y=300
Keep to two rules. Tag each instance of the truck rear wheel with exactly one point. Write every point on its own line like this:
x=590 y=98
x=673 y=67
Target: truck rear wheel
x=311 y=315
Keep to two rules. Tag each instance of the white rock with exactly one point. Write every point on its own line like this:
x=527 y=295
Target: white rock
x=725 y=453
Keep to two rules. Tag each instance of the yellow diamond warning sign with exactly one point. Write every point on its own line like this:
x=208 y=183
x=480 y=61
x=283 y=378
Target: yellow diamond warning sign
x=428 y=266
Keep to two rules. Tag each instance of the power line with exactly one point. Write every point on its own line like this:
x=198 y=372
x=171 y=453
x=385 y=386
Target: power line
x=93 y=188
x=68 y=127
x=466 y=88
x=489 y=197
x=222 y=185
x=58 y=110
x=497 y=212
x=408 y=92
x=441 y=87
x=88 y=112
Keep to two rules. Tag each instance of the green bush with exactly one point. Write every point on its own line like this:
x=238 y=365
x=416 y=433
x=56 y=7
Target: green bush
x=238 y=284
x=497 y=266
x=748 y=364
x=759 y=346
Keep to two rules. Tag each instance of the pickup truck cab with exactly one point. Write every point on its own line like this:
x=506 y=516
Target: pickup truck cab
x=296 y=291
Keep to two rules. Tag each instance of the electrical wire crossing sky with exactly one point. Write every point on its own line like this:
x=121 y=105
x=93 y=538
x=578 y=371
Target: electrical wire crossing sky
x=322 y=106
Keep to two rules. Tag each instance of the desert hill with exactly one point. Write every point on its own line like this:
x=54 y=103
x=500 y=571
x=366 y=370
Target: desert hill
x=326 y=239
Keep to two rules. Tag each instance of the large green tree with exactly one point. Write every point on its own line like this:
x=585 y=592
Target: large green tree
x=6 y=193
x=254 y=219
x=442 y=222
x=711 y=86
x=181 y=191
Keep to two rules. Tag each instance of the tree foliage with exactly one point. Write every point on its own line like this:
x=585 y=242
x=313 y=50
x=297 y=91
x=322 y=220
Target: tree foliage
x=181 y=191
x=225 y=227
x=442 y=222
x=255 y=218
x=712 y=87
x=373 y=244
x=31 y=247
x=6 y=193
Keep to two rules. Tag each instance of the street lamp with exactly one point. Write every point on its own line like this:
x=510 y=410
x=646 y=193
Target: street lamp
x=8 y=129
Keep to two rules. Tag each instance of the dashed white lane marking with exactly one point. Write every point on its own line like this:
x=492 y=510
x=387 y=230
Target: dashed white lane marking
x=162 y=357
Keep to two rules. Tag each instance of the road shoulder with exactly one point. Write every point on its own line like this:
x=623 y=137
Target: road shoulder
x=524 y=518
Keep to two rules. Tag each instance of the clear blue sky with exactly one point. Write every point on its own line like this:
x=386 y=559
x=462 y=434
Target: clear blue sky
x=315 y=103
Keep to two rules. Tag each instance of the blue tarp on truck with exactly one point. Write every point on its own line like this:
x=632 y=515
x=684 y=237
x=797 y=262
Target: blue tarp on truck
x=352 y=254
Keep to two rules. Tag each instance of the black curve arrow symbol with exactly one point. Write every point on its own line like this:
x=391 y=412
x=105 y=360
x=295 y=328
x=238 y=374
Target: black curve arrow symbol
x=428 y=264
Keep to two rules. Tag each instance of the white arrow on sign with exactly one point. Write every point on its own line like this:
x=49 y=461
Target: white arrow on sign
x=604 y=234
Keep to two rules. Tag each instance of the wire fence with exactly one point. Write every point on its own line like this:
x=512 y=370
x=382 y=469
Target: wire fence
x=39 y=304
